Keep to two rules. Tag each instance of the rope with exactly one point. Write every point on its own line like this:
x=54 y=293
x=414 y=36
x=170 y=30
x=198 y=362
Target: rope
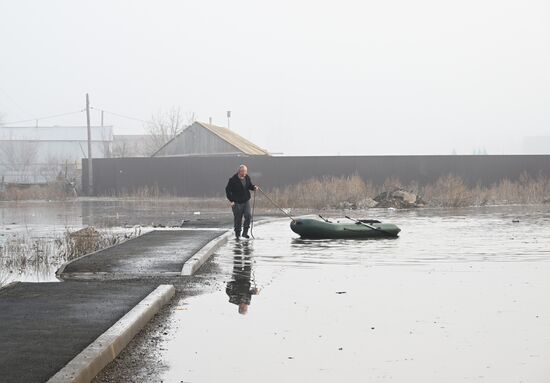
x=277 y=206
x=252 y=218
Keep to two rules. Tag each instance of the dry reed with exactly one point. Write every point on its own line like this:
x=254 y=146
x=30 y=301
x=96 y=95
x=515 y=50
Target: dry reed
x=447 y=191
x=57 y=191
x=24 y=252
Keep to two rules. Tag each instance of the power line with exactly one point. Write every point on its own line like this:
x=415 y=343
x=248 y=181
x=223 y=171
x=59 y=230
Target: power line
x=42 y=118
x=6 y=95
x=122 y=115
x=72 y=113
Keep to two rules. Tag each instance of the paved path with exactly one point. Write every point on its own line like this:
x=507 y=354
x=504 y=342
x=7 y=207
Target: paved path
x=44 y=325
x=152 y=254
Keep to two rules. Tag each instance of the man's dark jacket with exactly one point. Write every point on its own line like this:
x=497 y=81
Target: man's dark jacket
x=235 y=191
x=240 y=291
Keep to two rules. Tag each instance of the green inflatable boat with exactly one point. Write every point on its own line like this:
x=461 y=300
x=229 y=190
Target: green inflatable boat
x=317 y=227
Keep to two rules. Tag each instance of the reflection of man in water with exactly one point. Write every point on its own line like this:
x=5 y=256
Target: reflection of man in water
x=240 y=289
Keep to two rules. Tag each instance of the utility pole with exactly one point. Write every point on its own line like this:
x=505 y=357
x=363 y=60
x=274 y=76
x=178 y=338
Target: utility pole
x=102 y=112
x=90 y=168
x=228 y=118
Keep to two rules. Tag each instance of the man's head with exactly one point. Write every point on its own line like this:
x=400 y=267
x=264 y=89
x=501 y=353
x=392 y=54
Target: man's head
x=242 y=171
x=243 y=308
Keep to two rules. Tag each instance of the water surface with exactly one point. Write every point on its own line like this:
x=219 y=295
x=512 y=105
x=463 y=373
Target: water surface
x=460 y=296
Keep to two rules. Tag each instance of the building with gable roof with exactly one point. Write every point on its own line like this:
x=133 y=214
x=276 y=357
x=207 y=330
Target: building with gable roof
x=206 y=139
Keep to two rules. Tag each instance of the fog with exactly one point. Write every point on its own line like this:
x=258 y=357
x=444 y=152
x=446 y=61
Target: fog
x=308 y=77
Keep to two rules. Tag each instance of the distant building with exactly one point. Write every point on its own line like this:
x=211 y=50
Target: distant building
x=536 y=145
x=130 y=145
x=206 y=139
x=40 y=154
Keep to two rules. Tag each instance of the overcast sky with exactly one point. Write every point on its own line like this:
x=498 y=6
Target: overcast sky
x=300 y=77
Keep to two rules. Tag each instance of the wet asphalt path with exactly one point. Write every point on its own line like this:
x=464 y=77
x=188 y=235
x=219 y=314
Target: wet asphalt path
x=45 y=325
x=153 y=253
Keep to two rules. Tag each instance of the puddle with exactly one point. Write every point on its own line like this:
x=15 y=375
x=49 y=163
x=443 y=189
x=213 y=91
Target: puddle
x=460 y=296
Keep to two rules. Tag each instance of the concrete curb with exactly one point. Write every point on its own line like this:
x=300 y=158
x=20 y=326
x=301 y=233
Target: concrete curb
x=86 y=365
x=191 y=266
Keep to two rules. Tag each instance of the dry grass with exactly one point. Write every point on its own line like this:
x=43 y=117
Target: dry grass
x=447 y=191
x=24 y=253
x=84 y=241
x=452 y=191
x=327 y=192
x=143 y=192
x=334 y=193
x=55 y=191
x=21 y=253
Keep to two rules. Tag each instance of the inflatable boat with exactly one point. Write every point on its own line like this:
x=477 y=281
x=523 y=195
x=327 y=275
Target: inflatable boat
x=318 y=227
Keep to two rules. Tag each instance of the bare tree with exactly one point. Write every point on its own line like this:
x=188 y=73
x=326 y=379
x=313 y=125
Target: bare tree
x=164 y=126
x=18 y=158
x=120 y=149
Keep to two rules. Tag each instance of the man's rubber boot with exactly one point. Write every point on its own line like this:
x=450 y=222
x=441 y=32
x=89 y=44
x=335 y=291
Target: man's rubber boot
x=237 y=234
x=245 y=233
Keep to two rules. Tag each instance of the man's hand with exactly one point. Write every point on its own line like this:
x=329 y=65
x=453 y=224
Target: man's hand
x=232 y=203
x=256 y=187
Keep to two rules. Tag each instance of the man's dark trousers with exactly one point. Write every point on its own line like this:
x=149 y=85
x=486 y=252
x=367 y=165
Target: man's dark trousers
x=241 y=210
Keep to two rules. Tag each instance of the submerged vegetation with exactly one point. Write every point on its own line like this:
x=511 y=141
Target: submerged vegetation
x=22 y=253
x=84 y=241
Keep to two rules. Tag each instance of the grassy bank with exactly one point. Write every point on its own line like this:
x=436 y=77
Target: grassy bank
x=448 y=191
x=56 y=191
x=340 y=192
x=337 y=193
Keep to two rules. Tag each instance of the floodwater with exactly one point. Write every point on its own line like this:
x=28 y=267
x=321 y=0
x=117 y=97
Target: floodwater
x=30 y=231
x=47 y=215
x=461 y=296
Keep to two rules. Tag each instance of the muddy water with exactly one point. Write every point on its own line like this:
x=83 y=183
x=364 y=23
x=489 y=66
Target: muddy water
x=461 y=296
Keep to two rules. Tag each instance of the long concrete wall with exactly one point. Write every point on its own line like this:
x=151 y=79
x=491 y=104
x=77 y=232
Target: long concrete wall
x=207 y=176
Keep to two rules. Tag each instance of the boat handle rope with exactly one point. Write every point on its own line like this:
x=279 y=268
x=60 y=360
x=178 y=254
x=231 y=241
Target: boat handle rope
x=252 y=218
x=276 y=205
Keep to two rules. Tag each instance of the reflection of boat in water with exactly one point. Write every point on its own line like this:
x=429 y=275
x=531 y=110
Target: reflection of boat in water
x=312 y=226
x=242 y=286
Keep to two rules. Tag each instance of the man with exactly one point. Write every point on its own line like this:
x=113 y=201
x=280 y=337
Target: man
x=238 y=193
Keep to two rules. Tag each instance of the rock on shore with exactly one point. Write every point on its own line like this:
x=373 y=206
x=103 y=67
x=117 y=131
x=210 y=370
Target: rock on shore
x=398 y=199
